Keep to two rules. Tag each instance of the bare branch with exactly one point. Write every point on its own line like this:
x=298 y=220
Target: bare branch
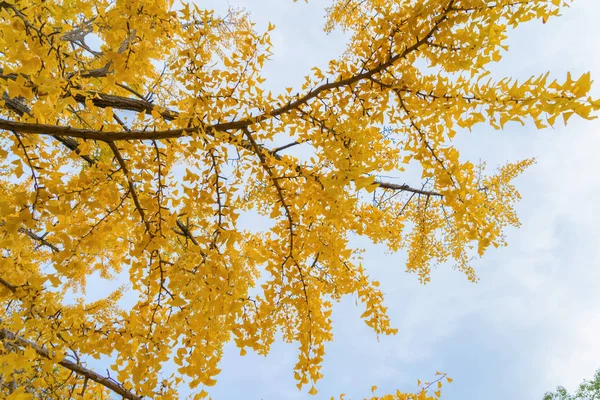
x=287 y=146
x=406 y=188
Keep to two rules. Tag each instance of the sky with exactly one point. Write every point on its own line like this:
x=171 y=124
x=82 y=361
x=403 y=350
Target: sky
x=531 y=322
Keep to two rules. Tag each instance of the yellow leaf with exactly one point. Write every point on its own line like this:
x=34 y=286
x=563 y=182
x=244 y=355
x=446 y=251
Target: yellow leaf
x=566 y=115
x=582 y=86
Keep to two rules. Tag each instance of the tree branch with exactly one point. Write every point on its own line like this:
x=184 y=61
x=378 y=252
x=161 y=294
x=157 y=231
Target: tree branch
x=406 y=188
x=184 y=231
x=21 y=109
x=103 y=100
x=109 y=383
x=92 y=134
x=40 y=239
x=131 y=184
x=35 y=236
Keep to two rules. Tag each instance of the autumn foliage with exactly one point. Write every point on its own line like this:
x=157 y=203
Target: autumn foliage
x=134 y=133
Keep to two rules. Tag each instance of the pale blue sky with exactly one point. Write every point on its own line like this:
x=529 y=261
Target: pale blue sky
x=533 y=320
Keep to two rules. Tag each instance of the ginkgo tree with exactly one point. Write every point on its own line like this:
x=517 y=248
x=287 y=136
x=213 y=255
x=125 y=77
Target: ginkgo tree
x=134 y=133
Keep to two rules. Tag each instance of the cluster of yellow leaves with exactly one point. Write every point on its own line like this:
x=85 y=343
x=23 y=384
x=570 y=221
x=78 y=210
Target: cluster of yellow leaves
x=422 y=394
x=133 y=135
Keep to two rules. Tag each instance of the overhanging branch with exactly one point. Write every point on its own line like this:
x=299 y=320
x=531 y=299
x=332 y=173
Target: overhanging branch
x=90 y=134
x=107 y=382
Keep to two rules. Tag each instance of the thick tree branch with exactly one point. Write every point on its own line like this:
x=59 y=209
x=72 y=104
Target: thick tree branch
x=21 y=109
x=107 y=382
x=90 y=134
x=124 y=103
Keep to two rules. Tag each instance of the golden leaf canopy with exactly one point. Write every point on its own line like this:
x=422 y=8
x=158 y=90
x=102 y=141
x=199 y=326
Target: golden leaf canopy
x=135 y=133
